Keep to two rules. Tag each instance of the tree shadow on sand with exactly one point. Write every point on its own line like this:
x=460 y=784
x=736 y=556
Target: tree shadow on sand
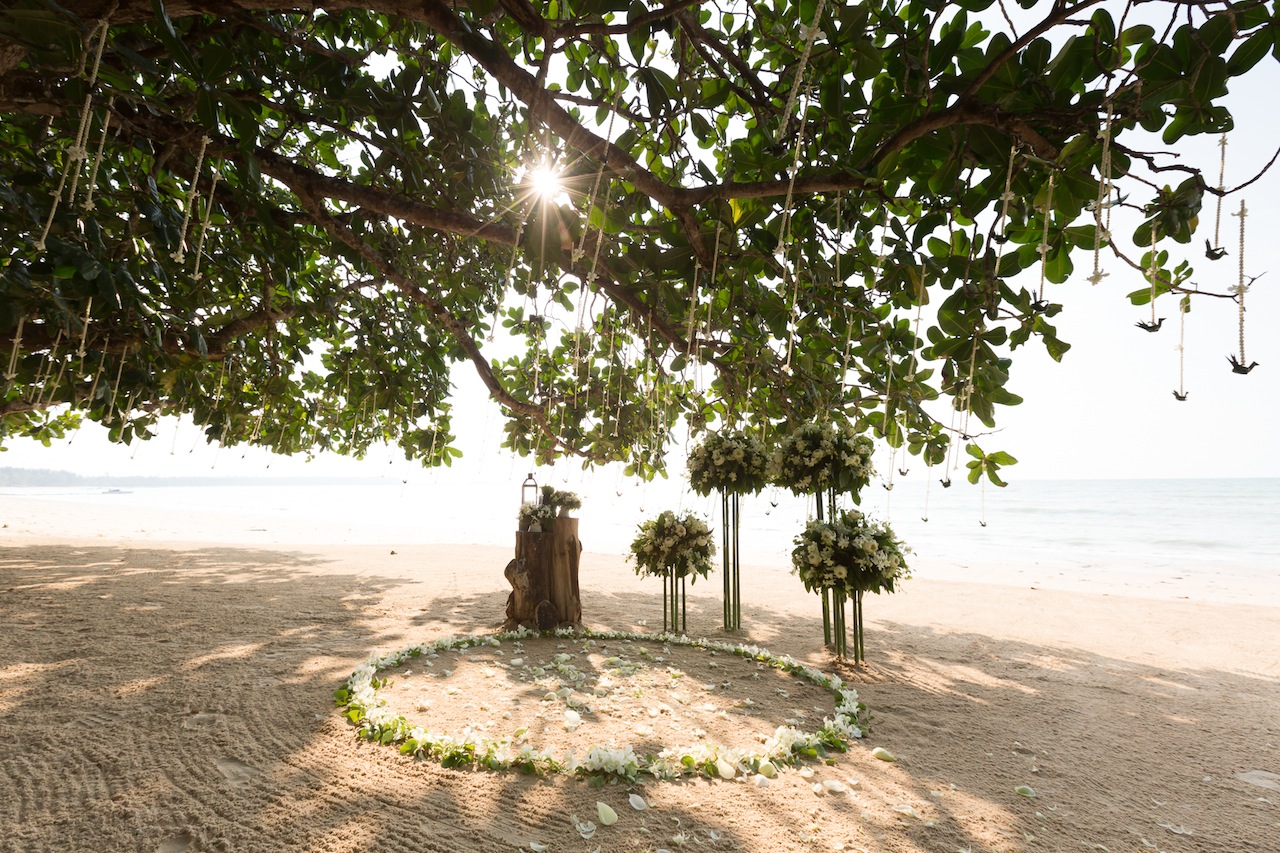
x=165 y=700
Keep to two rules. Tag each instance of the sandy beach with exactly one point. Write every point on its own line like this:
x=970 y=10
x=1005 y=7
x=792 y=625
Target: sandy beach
x=172 y=694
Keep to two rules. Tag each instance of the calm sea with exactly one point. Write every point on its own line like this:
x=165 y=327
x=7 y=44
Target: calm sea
x=1112 y=535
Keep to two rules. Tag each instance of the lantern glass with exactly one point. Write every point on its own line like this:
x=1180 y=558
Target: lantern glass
x=529 y=491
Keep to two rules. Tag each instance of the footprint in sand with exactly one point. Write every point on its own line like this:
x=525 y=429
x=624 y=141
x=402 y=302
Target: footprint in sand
x=178 y=844
x=237 y=773
x=199 y=720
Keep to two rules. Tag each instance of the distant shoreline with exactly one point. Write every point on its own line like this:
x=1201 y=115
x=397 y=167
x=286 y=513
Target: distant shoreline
x=52 y=478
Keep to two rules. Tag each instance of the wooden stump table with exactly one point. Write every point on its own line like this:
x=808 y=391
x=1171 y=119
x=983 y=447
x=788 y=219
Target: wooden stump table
x=544 y=578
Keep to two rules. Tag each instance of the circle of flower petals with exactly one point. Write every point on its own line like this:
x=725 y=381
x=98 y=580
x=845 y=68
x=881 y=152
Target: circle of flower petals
x=471 y=747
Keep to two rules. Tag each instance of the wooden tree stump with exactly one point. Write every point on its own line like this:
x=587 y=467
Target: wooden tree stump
x=544 y=578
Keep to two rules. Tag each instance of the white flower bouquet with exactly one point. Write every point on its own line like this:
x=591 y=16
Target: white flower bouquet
x=815 y=458
x=850 y=554
x=675 y=546
x=841 y=559
x=732 y=462
x=544 y=515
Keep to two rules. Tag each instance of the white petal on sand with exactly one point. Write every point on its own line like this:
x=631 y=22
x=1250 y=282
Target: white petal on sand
x=608 y=817
x=1176 y=830
x=637 y=802
x=725 y=769
x=767 y=769
x=585 y=827
x=1025 y=791
x=537 y=847
x=1261 y=778
x=907 y=810
x=835 y=786
x=883 y=754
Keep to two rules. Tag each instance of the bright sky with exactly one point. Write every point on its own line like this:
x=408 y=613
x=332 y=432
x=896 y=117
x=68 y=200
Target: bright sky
x=1107 y=411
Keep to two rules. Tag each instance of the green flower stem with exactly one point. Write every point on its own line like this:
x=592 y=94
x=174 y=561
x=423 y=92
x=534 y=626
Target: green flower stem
x=859 y=648
x=838 y=614
x=826 y=616
x=730 y=514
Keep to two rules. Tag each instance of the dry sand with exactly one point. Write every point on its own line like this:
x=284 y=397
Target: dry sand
x=170 y=696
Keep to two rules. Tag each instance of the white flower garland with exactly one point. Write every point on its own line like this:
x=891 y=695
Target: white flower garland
x=471 y=747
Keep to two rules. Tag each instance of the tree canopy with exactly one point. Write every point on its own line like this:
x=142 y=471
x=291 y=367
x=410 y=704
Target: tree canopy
x=292 y=220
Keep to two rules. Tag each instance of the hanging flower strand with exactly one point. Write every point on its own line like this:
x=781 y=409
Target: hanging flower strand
x=88 y=204
x=180 y=254
x=1103 y=202
x=77 y=151
x=1242 y=287
x=204 y=226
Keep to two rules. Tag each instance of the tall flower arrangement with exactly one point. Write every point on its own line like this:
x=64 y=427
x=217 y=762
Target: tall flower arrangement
x=843 y=557
x=675 y=548
x=732 y=463
x=824 y=460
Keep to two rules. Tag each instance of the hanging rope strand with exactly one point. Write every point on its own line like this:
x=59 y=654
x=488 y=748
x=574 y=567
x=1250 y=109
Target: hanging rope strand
x=1043 y=248
x=88 y=204
x=1183 y=306
x=786 y=235
x=12 y=372
x=204 y=226
x=1153 y=270
x=76 y=151
x=1103 y=201
x=180 y=254
x=811 y=34
x=1222 y=177
x=1241 y=286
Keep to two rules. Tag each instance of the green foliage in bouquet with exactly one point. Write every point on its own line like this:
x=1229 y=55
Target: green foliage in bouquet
x=557 y=499
x=543 y=514
x=731 y=462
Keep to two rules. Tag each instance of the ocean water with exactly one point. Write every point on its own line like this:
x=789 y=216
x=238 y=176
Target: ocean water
x=1217 y=538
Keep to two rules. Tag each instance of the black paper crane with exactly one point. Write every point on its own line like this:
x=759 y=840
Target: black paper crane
x=1239 y=366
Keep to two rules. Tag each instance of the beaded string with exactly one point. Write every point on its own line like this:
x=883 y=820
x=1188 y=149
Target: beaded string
x=1241 y=287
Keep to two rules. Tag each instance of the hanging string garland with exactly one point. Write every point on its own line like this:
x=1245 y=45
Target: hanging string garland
x=88 y=204
x=1238 y=365
x=12 y=372
x=1184 y=306
x=77 y=151
x=115 y=390
x=810 y=36
x=49 y=383
x=1101 y=230
x=1153 y=274
x=1216 y=251
x=42 y=379
x=97 y=376
x=1043 y=248
x=204 y=225
x=785 y=240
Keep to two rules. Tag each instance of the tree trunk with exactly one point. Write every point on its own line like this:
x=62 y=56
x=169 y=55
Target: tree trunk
x=544 y=578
